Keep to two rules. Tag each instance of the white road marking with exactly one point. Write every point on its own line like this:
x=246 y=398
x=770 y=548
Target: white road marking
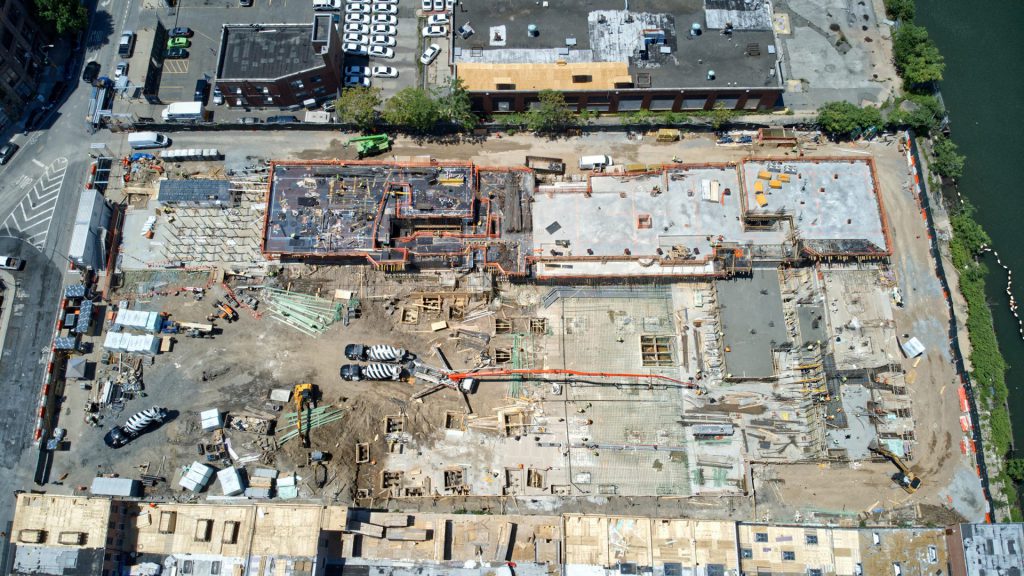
x=38 y=163
x=37 y=206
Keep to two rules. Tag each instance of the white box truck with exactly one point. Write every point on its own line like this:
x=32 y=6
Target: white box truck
x=595 y=162
x=183 y=112
x=140 y=140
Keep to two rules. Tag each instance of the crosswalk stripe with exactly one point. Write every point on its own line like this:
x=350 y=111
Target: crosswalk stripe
x=37 y=206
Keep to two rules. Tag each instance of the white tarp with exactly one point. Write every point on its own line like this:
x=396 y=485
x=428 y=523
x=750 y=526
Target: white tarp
x=134 y=343
x=137 y=320
x=913 y=348
x=230 y=481
x=196 y=477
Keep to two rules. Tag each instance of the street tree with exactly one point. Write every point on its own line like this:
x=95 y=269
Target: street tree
x=947 y=161
x=917 y=57
x=455 y=106
x=550 y=115
x=358 y=106
x=842 y=119
x=412 y=108
x=902 y=10
x=66 y=16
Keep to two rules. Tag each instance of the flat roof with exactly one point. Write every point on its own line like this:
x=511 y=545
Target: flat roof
x=753 y=322
x=194 y=190
x=54 y=515
x=488 y=76
x=265 y=51
x=601 y=31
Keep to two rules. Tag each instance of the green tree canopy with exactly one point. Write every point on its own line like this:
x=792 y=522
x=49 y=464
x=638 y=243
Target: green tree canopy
x=903 y=10
x=947 y=161
x=842 y=119
x=917 y=57
x=551 y=114
x=455 y=106
x=413 y=108
x=924 y=114
x=65 y=15
x=358 y=106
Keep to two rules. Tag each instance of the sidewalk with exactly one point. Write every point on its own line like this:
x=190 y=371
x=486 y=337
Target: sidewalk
x=10 y=290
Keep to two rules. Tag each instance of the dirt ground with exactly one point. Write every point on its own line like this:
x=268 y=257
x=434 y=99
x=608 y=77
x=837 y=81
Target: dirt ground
x=252 y=356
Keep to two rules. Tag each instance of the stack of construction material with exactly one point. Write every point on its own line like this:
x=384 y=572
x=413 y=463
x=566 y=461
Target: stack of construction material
x=307 y=314
x=317 y=417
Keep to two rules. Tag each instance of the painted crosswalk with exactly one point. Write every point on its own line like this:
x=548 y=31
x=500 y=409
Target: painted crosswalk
x=30 y=220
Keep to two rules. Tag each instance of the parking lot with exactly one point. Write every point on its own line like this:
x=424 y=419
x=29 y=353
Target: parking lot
x=179 y=76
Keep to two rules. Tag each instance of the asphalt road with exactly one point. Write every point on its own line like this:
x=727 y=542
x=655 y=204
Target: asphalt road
x=39 y=193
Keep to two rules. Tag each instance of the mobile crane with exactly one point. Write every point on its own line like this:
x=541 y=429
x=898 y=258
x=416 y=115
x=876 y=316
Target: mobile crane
x=905 y=477
x=303 y=396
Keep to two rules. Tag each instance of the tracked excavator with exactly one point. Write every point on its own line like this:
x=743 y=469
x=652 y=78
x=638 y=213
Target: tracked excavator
x=905 y=478
x=304 y=401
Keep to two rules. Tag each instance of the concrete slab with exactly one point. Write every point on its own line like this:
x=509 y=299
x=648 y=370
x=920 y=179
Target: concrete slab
x=752 y=323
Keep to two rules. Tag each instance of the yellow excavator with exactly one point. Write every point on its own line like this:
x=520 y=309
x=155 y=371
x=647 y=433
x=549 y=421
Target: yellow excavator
x=303 y=394
x=905 y=478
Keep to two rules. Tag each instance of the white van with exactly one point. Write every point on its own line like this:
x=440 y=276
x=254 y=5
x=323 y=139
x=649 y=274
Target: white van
x=140 y=140
x=327 y=4
x=182 y=112
x=595 y=162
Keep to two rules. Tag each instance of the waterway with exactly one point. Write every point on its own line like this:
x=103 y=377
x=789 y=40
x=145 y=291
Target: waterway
x=984 y=93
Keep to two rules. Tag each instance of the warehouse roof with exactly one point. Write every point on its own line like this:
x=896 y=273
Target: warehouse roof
x=265 y=51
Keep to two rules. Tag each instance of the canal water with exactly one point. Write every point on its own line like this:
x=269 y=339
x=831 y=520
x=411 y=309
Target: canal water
x=984 y=93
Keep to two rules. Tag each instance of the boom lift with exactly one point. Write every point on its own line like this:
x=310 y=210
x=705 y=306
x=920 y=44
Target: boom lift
x=905 y=477
x=303 y=396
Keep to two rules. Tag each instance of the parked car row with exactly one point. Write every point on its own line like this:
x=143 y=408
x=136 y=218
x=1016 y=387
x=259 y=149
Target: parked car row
x=369 y=30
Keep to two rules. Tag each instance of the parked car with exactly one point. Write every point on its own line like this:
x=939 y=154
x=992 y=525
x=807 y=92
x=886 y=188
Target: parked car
x=383 y=29
x=126 y=45
x=176 y=54
x=245 y=2
x=385 y=19
x=357 y=28
x=381 y=8
x=354 y=49
x=439 y=5
x=121 y=69
x=382 y=40
x=327 y=4
x=6 y=153
x=382 y=52
x=430 y=54
x=357 y=18
x=385 y=72
x=11 y=263
x=179 y=42
x=202 y=86
x=357 y=81
x=91 y=72
x=354 y=70
x=180 y=32
x=218 y=96
x=437 y=19
x=250 y=120
x=435 y=31
x=281 y=119
x=357 y=38
x=427 y=5
x=358 y=8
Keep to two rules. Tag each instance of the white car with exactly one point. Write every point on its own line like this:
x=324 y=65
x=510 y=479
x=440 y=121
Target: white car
x=382 y=40
x=358 y=8
x=435 y=31
x=450 y=3
x=354 y=49
x=357 y=28
x=437 y=19
x=384 y=72
x=356 y=70
x=382 y=52
x=357 y=19
x=387 y=19
x=356 y=38
x=430 y=54
x=384 y=29
x=357 y=81
x=11 y=263
x=380 y=8
x=328 y=4
x=121 y=69
x=439 y=5
x=427 y=5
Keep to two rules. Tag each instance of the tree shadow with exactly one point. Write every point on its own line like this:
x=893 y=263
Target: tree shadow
x=101 y=31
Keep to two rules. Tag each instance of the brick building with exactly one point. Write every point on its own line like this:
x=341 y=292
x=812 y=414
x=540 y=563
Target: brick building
x=279 y=65
x=22 y=45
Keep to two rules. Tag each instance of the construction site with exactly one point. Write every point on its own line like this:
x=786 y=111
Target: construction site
x=435 y=335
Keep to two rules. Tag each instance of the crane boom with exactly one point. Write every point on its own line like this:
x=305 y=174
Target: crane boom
x=459 y=376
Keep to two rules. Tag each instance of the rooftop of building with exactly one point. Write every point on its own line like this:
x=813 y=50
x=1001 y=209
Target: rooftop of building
x=601 y=31
x=85 y=518
x=993 y=548
x=265 y=51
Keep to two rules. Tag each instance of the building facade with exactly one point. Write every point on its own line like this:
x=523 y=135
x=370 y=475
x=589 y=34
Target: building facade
x=279 y=65
x=22 y=58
